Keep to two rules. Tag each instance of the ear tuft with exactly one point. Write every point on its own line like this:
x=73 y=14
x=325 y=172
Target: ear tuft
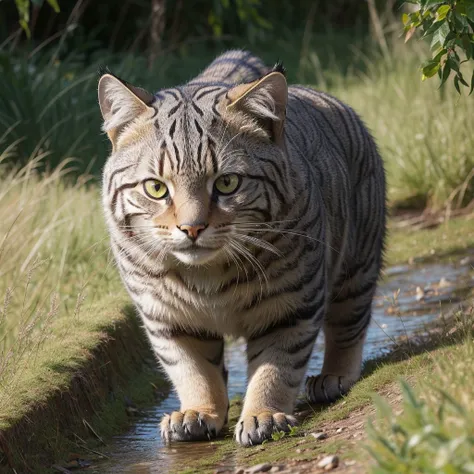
x=102 y=71
x=279 y=68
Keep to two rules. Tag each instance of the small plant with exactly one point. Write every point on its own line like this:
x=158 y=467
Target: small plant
x=435 y=433
x=450 y=25
x=278 y=435
x=294 y=431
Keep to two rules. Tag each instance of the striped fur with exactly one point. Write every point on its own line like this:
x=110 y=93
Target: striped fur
x=298 y=247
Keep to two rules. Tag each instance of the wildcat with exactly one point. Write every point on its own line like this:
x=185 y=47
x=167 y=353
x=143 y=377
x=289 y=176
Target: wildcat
x=239 y=206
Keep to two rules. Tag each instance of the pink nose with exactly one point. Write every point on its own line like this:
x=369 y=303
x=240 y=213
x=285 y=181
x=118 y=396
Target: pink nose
x=192 y=230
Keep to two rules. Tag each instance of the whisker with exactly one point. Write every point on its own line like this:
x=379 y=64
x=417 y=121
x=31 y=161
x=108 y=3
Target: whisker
x=259 y=243
x=256 y=265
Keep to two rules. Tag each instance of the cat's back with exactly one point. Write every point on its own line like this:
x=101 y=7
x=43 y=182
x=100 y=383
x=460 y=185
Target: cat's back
x=232 y=67
x=330 y=134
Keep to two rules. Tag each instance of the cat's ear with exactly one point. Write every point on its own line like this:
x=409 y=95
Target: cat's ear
x=120 y=103
x=261 y=105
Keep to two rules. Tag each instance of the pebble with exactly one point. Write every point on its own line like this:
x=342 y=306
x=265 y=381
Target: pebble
x=299 y=451
x=264 y=467
x=464 y=261
x=443 y=283
x=319 y=435
x=420 y=293
x=329 y=462
x=277 y=468
x=340 y=430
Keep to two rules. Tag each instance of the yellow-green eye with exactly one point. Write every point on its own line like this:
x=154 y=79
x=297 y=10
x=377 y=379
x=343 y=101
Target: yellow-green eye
x=155 y=189
x=227 y=183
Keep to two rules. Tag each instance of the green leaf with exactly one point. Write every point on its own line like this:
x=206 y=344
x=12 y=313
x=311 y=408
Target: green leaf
x=429 y=3
x=440 y=54
x=23 y=7
x=470 y=11
x=382 y=406
x=453 y=62
x=456 y=84
x=432 y=29
x=439 y=37
x=54 y=5
x=409 y=395
x=405 y=18
x=467 y=45
x=442 y=11
x=446 y=71
x=461 y=80
x=430 y=69
x=460 y=23
x=25 y=28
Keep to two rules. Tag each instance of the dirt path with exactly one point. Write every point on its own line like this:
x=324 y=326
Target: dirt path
x=342 y=440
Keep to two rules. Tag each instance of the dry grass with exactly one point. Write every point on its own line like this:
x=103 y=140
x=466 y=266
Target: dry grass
x=424 y=134
x=54 y=264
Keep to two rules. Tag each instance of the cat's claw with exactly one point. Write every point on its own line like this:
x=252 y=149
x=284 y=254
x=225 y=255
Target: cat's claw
x=327 y=388
x=189 y=425
x=252 y=430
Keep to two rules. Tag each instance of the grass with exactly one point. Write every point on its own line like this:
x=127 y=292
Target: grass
x=423 y=133
x=435 y=432
x=61 y=297
x=447 y=241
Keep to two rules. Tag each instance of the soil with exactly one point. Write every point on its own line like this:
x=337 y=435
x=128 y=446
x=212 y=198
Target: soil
x=348 y=434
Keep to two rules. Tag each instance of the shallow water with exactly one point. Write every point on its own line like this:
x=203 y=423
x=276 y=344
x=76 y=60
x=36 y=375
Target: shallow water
x=140 y=450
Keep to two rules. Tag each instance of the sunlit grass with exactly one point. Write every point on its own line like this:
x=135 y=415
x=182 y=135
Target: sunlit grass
x=424 y=134
x=54 y=265
x=435 y=431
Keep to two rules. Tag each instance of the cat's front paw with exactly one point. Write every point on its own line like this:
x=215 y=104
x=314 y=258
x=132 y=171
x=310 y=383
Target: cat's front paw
x=190 y=425
x=327 y=388
x=254 y=429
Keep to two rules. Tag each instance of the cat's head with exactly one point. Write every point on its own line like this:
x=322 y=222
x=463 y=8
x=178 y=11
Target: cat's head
x=195 y=172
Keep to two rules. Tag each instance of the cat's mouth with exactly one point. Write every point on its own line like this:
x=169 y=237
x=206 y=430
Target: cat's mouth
x=196 y=255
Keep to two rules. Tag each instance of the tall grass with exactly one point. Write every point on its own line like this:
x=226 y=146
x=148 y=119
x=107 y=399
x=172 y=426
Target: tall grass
x=424 y=134
x=47 y=108
x=54 y=263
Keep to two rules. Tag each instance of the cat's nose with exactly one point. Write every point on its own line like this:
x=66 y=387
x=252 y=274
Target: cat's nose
x=192 y=230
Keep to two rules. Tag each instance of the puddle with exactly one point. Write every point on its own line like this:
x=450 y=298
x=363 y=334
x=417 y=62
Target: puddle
x=424 y=291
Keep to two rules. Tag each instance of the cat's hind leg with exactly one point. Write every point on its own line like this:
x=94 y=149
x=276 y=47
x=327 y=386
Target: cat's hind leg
x=345 y=328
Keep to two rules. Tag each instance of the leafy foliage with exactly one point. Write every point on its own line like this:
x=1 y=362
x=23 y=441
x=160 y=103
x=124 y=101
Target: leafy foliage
x=450 y=25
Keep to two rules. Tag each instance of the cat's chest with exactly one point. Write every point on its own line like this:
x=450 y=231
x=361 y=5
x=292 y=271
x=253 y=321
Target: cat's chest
x=225 y=305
